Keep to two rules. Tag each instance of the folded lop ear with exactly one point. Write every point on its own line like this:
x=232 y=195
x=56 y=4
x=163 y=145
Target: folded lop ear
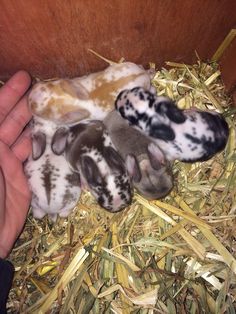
x=166 y=106
x=75 y=115
x=114 y=160
x=38 y=145
x=90 y=171
x=156 y=156
x=59 y=140
x=120 y=99
x=161 y=131
x=133 y=168
x=75 y=89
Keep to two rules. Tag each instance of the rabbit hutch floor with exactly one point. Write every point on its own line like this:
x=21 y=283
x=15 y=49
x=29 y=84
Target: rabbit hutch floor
x=174 y=255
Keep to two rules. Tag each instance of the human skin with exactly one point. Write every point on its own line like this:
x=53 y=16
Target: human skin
x=15 y=147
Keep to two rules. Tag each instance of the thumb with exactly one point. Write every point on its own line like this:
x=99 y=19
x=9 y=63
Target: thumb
x=2 y=198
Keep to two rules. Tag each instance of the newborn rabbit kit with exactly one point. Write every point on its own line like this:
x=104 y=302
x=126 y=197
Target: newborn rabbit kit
x=55 y=187
x=149 y=170
x=87 y=97
x=91 y=153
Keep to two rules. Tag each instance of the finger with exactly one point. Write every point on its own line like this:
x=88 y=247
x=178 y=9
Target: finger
x=17 y=201
x=14 y=176
x=7 y=158
x=12 y=168
x=12 y=91
x=15 y=122
x=23 y=147
x=2 y=198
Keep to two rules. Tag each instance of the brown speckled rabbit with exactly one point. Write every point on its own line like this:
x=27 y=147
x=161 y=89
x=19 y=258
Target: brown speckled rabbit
x=90 y=152
x=67 y=101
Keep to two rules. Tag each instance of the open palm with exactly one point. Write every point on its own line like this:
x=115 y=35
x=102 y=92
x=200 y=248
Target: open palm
x=15 y=146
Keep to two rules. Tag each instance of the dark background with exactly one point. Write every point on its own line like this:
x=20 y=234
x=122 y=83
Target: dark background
x=50 y=38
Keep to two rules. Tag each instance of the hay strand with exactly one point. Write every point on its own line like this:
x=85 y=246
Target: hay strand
x=224 y=45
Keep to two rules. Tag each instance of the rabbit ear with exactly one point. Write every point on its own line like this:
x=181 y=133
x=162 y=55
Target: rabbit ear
x=75 y=89
x=59 y=141
x=75 y=116
x=120 y=99
x=38 y=145
x=90 y=171
x=161 y=131
x=165 y=106
x=133 y=168
x=113 y=159
x=156 y=156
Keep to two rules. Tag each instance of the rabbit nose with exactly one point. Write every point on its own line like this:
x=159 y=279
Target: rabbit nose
x=119 y=204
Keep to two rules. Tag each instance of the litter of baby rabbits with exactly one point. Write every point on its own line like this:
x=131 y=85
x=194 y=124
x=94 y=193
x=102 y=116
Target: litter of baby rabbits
x=174 y=255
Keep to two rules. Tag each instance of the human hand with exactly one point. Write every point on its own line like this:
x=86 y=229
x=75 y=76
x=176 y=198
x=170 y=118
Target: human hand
x=15 y=147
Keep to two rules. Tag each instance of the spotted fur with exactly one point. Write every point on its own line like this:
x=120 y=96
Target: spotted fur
x=86 y=97
x=91 y=152
x=186 y=135
x=55 y=188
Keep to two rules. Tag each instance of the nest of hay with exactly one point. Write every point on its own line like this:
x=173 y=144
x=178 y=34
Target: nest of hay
x=174 y=255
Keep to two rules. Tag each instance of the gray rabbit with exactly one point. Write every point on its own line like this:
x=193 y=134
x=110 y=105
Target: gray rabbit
x=150 y=171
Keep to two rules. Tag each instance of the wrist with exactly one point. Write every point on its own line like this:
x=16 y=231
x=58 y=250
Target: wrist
x=3 y=252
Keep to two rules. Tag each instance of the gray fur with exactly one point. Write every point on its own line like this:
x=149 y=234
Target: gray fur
x=91 y=152
x=151 y=173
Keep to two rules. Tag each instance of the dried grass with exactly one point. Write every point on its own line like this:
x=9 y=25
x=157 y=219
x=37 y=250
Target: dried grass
x=175 y=255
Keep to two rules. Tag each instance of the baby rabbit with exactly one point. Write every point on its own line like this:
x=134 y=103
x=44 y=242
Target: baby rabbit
x=66 y=101
x=55 y=188
x=187 y=135
x=90 y=152
x=150 y=172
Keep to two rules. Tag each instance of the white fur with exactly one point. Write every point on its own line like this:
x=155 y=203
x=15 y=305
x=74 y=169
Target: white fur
x=184 y=143
x=116 y=182
x=98 y=93
x=63 y=194
x=193 y=138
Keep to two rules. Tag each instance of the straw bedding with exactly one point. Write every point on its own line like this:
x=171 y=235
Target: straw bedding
x=174 y=255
